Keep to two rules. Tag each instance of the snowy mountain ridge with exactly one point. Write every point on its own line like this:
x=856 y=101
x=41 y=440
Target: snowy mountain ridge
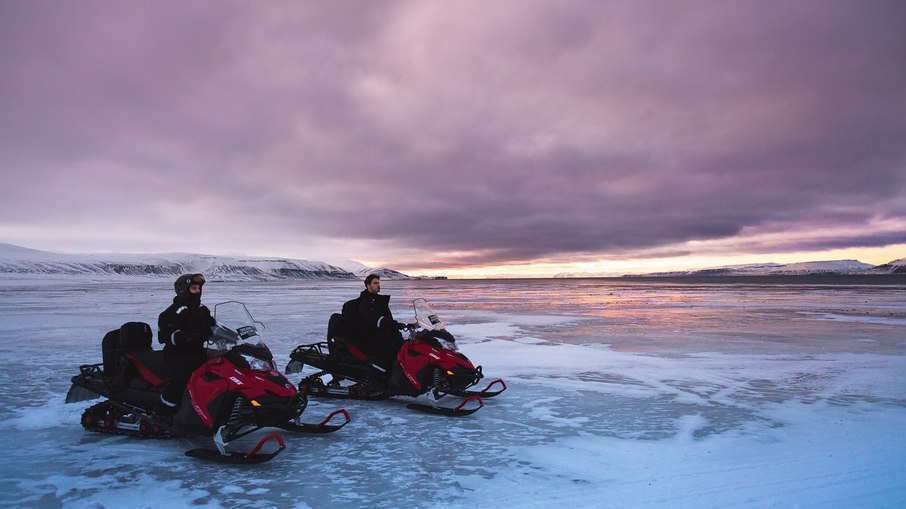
x=839 y=267
x=778 y=269
x=894 y=267
x=20 y=260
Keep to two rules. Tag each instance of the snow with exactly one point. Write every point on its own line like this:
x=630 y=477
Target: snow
x=768 y=269
x=621 y=394
x=835 y=266
x=762 y=269
x=19 y=260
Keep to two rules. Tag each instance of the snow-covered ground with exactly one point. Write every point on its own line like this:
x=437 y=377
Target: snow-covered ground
x=620 y=395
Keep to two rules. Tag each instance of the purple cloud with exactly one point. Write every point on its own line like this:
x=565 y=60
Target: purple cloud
x=416 y=129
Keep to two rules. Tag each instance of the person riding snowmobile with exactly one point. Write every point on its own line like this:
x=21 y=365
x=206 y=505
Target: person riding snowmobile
x=183 y=328
x=369 y=321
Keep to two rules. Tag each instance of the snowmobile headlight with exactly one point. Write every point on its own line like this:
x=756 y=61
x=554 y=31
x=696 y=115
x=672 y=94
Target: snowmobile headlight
x=258 y=364
x=255 y=403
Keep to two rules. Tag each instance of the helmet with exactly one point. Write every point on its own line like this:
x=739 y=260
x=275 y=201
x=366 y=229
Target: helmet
x=181 y=286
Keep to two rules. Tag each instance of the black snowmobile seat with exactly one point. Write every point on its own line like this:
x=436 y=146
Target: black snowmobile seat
x=151 y=366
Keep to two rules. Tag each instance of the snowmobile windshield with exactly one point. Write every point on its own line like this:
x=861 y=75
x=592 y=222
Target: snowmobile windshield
x=235 y=326
x=426 y=317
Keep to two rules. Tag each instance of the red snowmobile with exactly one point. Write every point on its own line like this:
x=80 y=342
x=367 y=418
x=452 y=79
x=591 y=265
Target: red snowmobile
x=236 y=392
x=429 y=364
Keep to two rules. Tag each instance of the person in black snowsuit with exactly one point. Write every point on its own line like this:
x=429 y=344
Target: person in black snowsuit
x=370 y=322
x=183 y=328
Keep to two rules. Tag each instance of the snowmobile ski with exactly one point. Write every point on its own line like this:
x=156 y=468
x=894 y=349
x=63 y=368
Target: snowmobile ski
x=457 y=411
x=322 y=427
x=236 y=458
x=313 y=385
x=484 y=393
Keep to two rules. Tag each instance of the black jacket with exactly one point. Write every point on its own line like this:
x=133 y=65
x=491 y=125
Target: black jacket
x=183 y=328
x=368 y=316
x=374 y=312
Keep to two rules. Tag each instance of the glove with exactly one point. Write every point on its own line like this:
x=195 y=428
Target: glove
x=197 y=339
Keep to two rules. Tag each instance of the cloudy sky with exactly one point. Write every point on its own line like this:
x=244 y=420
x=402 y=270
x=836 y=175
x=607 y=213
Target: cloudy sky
x=468 y=137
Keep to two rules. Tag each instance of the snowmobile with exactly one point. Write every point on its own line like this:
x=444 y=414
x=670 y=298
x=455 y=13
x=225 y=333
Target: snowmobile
x=429 y=365
x=236 y=392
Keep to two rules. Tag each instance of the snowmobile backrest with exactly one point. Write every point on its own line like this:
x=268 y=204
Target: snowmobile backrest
x=338 y=342
x=108 y=351
x=336 y=334
x=350 y=316
x=353 y=327
x=135 y=336
x=130 y=337
x=335 y=326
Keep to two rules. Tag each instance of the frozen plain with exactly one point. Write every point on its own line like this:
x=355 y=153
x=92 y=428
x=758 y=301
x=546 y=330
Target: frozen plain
x=621 y=394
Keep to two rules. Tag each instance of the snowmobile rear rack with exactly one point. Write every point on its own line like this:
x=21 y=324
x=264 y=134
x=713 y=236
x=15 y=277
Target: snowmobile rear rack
x=77 y=392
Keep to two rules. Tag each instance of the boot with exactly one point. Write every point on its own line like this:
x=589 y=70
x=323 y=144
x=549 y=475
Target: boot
x=165 y=409
x=378 y=377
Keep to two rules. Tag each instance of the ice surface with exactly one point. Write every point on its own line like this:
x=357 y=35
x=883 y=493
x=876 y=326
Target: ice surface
x=620 y=395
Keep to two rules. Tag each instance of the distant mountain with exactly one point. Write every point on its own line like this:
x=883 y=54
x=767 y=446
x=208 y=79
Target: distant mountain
x=779 y=269
x=20 y=260
x=383 y=272
x=894 y=267
x=361 y=270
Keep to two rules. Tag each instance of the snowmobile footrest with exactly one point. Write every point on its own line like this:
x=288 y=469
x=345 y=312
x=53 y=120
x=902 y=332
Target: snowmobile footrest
x=457 y=411
x=321 y=427
x=238 y=458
